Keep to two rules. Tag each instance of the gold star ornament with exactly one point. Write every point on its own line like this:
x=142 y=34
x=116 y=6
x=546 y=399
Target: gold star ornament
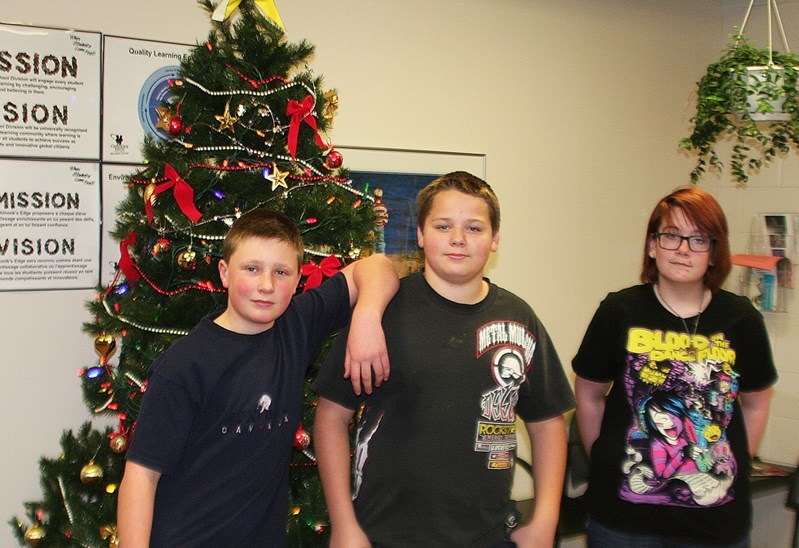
x=164 y=116
x=226 y=120
x=278 y=178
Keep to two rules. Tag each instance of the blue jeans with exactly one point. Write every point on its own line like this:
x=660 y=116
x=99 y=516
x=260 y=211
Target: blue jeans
x=600 y=536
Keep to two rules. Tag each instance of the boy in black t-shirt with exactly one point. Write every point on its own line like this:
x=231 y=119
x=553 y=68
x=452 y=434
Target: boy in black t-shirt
x=435 y=445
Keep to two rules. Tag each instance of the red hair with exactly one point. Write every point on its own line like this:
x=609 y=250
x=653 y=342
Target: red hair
x=702 y=209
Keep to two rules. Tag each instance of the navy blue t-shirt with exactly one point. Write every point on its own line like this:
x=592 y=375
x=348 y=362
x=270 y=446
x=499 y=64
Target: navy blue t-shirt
x=218 y=420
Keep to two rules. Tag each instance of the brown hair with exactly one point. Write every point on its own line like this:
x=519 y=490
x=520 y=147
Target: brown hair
x=704 y=211
x=462 y=182
x=266 y=224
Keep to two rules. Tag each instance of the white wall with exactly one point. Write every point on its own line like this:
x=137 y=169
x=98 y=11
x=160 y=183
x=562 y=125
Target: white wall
x=773 y=190
x=577 y=104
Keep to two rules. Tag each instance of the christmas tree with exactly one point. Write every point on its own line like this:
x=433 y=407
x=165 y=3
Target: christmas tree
x=247 y=124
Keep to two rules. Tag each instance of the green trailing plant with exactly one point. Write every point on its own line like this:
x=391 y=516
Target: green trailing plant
x=721 y=110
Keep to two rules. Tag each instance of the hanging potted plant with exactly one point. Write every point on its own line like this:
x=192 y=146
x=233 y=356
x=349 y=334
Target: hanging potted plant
x=751 y=95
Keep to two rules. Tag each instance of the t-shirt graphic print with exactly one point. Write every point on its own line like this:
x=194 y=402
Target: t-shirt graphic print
x=681 y=389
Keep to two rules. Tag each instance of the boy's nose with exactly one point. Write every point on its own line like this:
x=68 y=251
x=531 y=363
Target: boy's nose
x=265 y=283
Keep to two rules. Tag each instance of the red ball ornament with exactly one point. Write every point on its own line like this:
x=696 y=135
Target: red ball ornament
x=334 y=159
x=175 y=125
x=160 y=246
x=302 y=440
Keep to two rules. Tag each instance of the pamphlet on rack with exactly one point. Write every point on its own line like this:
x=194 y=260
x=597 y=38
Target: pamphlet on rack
x=767 y=276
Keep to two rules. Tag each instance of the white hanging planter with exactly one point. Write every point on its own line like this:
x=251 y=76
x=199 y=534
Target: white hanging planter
x=748 y=94
x=760 y=104
x=764 y=83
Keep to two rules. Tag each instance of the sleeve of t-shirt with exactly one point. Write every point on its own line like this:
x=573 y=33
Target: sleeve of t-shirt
x=163 y=423
x=594 y=358
x=329 y=382
x=325 y=308
x=546 y=392
x=753 y=358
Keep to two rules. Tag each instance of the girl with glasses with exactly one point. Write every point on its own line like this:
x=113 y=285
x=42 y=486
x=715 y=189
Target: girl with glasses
x=673 y=386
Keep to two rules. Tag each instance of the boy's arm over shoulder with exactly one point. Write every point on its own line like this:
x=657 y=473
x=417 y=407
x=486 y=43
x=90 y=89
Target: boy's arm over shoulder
x=549 y=442
x=135 y=505
x=372 y=283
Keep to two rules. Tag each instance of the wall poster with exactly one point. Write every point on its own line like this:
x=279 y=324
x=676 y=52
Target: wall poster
x=49 y=219
x=397 y=176
x=115 y=189
x=49 y=92
x=135 y=85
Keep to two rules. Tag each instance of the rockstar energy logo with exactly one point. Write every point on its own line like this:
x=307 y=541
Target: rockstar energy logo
x=498 y=439
x=495 y=429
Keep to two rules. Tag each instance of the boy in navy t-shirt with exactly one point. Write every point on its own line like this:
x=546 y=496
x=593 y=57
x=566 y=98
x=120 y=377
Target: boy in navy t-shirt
x=209 y=460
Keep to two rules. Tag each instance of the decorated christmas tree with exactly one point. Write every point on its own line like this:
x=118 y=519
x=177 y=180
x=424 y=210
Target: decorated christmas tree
x=247 y=126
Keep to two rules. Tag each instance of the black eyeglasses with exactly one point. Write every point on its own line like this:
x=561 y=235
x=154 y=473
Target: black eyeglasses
x=672 y=242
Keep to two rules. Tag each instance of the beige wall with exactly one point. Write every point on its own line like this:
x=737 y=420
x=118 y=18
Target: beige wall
x=577 y=104
x=773 y=190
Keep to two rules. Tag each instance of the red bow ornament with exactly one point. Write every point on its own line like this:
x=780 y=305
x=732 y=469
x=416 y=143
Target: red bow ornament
x=184 y=195
x=126 y=264
x=315 y=272
x=300 y=112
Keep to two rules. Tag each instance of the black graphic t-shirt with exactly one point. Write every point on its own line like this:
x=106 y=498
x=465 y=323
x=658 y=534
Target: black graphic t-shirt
x=672 y=456
x=433 y=463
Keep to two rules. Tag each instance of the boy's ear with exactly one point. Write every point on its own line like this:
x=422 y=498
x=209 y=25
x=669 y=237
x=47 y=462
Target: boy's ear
x=419 y=237
x=495 y=241
x=222 y=265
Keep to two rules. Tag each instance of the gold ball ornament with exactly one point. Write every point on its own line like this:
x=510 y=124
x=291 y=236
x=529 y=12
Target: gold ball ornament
x=35 y=535
x=187 y=260
x=91 y=474
x=119 y=444
x=104 y=344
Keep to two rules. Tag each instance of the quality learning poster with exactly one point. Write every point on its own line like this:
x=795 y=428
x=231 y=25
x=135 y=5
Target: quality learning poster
x=49 y=93
x=135 y=91
x=49 y=224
